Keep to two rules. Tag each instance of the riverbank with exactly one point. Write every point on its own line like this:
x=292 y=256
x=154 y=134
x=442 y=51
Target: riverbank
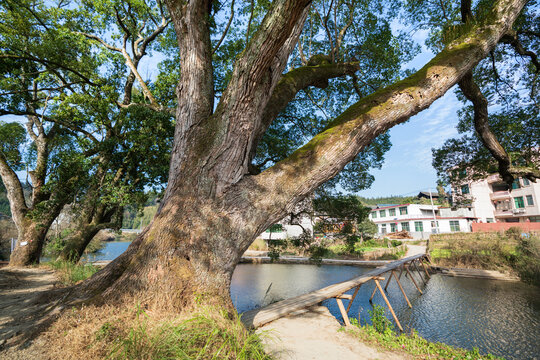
x=512 y=254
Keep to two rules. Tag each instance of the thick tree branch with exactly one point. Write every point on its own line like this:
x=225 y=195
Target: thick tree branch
x=327 y=153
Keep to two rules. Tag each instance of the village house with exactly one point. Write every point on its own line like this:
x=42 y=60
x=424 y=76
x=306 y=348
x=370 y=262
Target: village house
x=492 y=200
x=420 y=220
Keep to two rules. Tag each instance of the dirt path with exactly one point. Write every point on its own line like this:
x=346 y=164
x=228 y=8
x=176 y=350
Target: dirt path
x=19 y=314
x=313 y=334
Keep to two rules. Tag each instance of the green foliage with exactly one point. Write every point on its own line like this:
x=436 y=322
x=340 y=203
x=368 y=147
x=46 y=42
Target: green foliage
x=71 y=273
x=342 y=207
x=414 y=344
x=379 y=321
x=207 y=334
x=12 y=137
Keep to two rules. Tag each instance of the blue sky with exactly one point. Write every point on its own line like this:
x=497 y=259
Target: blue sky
x=407 y=168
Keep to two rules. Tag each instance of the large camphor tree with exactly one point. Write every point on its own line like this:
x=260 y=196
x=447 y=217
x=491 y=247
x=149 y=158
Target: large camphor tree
x=214 y=207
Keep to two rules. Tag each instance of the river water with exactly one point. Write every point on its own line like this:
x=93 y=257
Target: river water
x=499 y=317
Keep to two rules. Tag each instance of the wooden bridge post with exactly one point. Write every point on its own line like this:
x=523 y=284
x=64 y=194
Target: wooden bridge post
x=425 y=269
x=378 y=286
x=411 y=277
x=418 y=271
x=389 y=278
x=402 y=291
x=343 y=312
x=353 y=297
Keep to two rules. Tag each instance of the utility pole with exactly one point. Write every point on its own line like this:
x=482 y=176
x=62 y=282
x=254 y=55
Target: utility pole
x=433 y=211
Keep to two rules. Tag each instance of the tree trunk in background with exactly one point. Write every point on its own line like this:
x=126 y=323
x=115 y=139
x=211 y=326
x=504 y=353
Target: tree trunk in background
x=213 y=209
x=92 y=221
x=31 y=236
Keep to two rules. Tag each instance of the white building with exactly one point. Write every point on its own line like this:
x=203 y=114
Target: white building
x=492 y=201
x=281 y=232
x=420 y=220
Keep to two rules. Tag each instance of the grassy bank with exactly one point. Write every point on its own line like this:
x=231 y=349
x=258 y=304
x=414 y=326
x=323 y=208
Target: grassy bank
x=115 y=333
x=381 y=334
x=335 y=248
x=70 y=273
x=510 y=252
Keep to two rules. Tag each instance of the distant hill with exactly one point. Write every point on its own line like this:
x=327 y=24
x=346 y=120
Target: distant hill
x=394 y=199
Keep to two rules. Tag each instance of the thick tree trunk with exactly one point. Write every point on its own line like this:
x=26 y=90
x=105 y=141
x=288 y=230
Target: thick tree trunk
x=31 y=237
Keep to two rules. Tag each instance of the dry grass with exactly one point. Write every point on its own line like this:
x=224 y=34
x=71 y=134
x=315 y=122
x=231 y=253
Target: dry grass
x=488 y=251
x=130 y=332
x=258 y=245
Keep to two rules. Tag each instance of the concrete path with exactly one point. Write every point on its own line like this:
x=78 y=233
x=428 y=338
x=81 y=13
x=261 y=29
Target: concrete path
x=415 y=250
x=312 y=334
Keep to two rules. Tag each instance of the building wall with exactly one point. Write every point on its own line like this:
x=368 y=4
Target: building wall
x=417 y=213
x=503 y=226
x=491 y=204
x=483 y=208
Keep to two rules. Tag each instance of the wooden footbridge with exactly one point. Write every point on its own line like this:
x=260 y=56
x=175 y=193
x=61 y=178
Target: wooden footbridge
x=258 y=317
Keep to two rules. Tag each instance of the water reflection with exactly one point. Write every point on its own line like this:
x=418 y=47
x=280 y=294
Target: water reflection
x=499 y=317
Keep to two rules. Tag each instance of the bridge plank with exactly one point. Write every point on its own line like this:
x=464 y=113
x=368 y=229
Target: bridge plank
x=258 y=317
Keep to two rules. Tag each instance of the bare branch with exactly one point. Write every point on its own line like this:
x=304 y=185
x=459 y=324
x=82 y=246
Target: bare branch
x=226 y=29
x=100 y=40
x=512 y=39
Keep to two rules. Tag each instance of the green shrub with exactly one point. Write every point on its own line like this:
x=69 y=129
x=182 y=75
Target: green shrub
x=379 y=321
x=71 y=273
x=396 y=243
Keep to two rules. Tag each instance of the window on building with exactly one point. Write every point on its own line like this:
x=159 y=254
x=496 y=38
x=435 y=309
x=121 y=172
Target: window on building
x=465 y=189
x=490 y=220
x=518 y=202
x=391 y=212
x=530 y=201
x=373 y=214
x=515 y=184
x=534 y=219
x=382 y=213
x=434 y=226
x=526 y=182
x=383 y=229
x=403 y=210
x=276 y=228
x=393 y=227
x=454 y=225
x=405 y=226
x=418 y=226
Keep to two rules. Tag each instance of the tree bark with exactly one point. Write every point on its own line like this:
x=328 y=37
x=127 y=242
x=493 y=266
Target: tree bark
x=87 y=228
x=213 y=209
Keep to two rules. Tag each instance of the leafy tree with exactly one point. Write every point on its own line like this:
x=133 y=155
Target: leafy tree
x=214 y=206
x=499 y=122
x=86 y=118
